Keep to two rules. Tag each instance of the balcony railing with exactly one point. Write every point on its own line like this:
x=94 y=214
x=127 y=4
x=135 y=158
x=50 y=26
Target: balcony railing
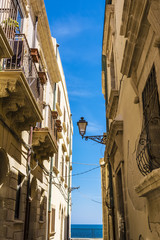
x=148 y=150
x=8 y=17
x=22 y=61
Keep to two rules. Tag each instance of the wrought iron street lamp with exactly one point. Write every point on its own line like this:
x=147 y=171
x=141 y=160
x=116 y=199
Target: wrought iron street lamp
x=82 y=124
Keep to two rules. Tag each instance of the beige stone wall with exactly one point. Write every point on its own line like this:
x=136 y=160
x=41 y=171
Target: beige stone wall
x=19 y=111
x=135 y=50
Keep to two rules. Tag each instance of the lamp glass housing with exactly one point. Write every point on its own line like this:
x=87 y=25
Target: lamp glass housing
x=82 y=124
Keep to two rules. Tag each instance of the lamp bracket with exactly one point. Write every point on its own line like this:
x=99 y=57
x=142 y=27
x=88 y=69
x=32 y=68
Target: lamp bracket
x=98 y=138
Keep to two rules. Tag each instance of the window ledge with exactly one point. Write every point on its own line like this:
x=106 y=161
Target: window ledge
x=17 y=221
x=41 y=222
x=149 y=183
x=52 y=234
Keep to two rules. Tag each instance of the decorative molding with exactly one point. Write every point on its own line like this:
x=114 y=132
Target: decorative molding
x=153 y=17
x=109 y=11
x=67 y=139
x=59 y=135
x=19 y=107
x=44 y=145
x=62 y=179
x=135 y=28
x=115 y=128
x=67 y=158
x=64 y=127
x=112 y=104
x=55 y=170
x=58 y=109
x=125 y=16
x=64 y=148
x=25 y=7
x=46 y=40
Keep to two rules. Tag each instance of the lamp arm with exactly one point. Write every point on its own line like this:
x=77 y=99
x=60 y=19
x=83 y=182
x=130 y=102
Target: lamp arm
x=98 y=138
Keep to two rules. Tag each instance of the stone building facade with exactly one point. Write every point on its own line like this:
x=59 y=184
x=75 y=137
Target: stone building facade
x=31 y=123
x=131 y=87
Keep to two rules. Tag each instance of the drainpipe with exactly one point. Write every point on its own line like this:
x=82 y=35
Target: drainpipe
x=104 y=68
x=50 y=176
x=50 y=197
x=69 y=188
x=27 y=212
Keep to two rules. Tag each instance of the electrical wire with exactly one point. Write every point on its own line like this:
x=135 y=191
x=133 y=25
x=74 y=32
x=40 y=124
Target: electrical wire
x=81 y=173
x=77 y=174
x=91 y=199
x=95 y=201
x=86 y=164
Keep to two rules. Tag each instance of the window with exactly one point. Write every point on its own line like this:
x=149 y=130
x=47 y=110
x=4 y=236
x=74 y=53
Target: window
x=148 y=155
x=120 y=206
x=150 y=99
x=64 y=119
x=53 y=220
x=151 y=113
x=59 y=97
x=112 y=70
x=41 y=211
x=42 y=202
x=19 y=20
x=18 y=196
x=10 y=11
x=56 y=160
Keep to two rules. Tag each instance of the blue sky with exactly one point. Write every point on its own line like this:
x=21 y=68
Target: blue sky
x=78 y=28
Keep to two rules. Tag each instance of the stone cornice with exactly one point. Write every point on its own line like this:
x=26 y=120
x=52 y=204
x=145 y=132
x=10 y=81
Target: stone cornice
x=112 y=104
x=134 y=27
x=46 y=39
x=115 y=127
x=109 y=10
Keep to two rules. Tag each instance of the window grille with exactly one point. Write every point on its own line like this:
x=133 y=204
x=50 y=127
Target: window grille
x=148 y=151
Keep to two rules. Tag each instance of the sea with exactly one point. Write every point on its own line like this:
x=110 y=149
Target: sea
x=86 y=231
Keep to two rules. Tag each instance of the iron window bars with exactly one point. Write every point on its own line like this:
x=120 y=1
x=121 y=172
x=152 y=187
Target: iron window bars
x=148 y=150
